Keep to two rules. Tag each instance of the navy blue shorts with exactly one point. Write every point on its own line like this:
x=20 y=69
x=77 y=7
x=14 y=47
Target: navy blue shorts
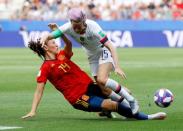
x=92 y=100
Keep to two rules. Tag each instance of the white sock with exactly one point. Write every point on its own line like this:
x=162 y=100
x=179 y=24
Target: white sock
x=126 y=95
x=125 y=103
x=150 y=117
x=114 y=96
x=118 y=98
x=119 y=89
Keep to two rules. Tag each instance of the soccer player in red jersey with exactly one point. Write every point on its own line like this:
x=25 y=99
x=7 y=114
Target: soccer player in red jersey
x=76 y=86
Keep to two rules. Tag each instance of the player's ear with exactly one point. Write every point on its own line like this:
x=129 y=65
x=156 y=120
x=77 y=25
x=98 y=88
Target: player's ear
x=45 y=47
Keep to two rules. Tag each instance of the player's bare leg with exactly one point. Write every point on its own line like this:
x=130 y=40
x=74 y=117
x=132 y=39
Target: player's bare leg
x=107 y=92
x=104 y=81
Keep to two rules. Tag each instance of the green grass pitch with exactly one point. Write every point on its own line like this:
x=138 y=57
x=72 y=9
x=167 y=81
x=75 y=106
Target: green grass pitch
x=147 y=70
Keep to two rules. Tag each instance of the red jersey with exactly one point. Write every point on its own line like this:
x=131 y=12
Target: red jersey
x=66 y=76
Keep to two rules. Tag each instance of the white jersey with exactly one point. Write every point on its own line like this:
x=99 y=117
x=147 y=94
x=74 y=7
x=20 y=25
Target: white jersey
x=92 y=40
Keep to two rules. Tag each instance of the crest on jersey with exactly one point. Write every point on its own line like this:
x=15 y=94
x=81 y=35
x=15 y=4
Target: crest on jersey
x=101 y=33
x=52 y=65
x=82 y=39
x=85 y=97
x=61 y=57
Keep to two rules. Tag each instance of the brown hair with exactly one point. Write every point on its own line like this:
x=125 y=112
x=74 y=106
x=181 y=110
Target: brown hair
x=36 y=46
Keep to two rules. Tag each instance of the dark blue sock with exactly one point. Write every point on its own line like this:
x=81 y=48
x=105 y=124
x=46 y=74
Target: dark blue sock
x=141 y=116
x=127 y=112
x=124 y=111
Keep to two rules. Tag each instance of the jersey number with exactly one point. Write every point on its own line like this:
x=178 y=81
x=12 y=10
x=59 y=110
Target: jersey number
x=65 y=67
x=105 y=54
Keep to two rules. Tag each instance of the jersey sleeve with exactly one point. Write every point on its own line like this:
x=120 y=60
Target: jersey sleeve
x=43 y=74
x=65 y=28
x=99 y=33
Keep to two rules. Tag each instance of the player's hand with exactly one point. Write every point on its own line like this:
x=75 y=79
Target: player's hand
x=120 y=72
x=53 y=26
x=29 y=115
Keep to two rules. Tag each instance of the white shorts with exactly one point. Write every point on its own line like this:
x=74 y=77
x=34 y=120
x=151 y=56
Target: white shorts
x=100 y=58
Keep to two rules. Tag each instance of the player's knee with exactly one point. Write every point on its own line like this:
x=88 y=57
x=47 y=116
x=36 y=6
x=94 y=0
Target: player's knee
x=109 y=105
x=102 y=81
x=106 y=91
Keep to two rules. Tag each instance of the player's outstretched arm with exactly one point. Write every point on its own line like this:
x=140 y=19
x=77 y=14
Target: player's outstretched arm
x=36 y=100
x=56 y=33
x=68 y=45
x=104 y=40
x=118 y=70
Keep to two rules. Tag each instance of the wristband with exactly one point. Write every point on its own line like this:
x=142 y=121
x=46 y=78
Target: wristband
x=57 y=33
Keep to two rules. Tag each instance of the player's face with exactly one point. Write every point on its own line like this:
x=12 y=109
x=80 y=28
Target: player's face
x=52 y=47
x=79 y=26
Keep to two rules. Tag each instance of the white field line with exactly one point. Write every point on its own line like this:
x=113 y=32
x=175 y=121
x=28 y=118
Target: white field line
x=9 y=127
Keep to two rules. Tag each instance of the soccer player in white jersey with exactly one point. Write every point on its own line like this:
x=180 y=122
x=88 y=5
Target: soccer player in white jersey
x=101 y=54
